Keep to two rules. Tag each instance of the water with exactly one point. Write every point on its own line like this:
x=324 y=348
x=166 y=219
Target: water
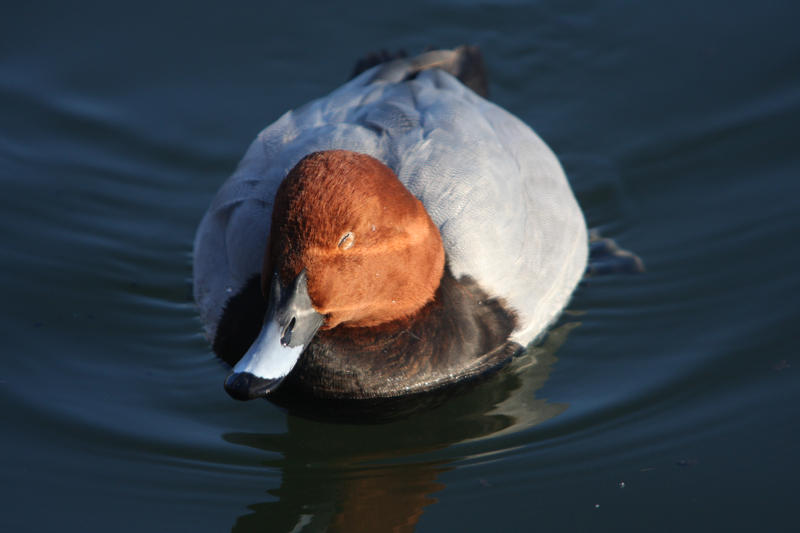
x=664 y=401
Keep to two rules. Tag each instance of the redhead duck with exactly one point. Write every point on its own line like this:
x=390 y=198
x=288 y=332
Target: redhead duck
x=400 y=236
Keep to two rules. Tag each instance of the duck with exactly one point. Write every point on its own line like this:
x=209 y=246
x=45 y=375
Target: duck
x=396 y=240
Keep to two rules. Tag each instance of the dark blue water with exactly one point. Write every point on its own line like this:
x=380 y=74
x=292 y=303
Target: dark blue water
x=666 y=401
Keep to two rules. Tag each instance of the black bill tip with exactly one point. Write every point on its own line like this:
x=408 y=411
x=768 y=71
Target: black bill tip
x=245 y=386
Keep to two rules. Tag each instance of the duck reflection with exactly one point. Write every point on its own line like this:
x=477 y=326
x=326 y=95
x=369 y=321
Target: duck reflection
x=338 y=477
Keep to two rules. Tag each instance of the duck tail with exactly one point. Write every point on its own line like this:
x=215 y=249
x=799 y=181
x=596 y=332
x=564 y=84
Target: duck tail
x=464 y=62
x=374 y=59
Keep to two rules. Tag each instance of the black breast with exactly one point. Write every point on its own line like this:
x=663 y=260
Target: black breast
x=459 y=337
x=376 y=373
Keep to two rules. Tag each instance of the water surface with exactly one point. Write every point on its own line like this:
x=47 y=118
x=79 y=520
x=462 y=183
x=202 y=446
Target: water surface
x=661 y=402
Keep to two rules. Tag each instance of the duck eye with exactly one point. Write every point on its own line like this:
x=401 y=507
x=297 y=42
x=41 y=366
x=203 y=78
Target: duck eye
x=347 y=240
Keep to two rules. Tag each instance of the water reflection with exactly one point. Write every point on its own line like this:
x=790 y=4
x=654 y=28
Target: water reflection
x=337 y=477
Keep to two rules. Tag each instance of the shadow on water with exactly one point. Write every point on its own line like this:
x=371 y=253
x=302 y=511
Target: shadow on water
x=353 y=478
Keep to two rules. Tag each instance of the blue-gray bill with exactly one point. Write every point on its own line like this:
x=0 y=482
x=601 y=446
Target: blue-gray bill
x=289 y=325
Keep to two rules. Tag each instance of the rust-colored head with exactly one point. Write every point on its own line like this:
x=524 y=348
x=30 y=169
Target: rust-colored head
x=371 y=252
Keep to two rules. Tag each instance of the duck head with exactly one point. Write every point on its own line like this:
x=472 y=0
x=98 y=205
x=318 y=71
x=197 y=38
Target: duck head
x=349 y=247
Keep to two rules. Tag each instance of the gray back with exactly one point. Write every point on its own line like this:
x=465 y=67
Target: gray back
x=506 y=213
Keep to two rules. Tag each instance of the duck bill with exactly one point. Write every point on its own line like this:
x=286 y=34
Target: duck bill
x=290 y=324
